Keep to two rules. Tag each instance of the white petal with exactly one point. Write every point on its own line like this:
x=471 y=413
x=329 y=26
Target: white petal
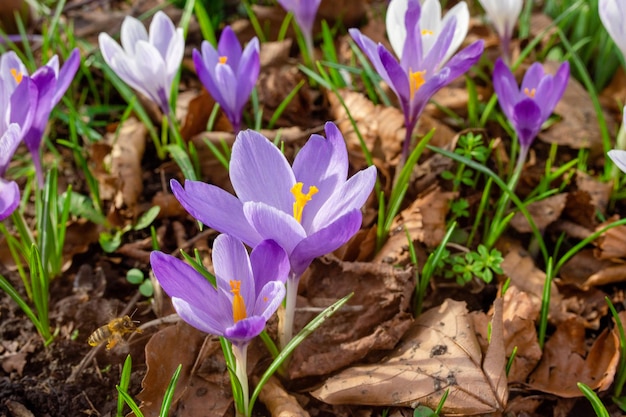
x=430 y=24
x=396 y=29
x=132 y=32
x=619 y=157
x=461 y=12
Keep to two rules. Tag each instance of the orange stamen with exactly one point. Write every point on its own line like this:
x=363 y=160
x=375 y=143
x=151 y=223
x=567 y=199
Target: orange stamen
x=529 y=93
x=17 y=75
x=239 y=306
x=301 y=199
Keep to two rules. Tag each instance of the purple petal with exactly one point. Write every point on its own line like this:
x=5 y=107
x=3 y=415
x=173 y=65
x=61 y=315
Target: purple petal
x=162 y=31
x=325 y=241
x=226 y=82
x=181 y=281
x=206 y=71
x=9 y=142
x=274 y=224
x=532 y=78
x=270 y=298
x=9 y=198
x=350 y=196
x=174 y=54
x=370 y=48
x=505 y=87
x=269 y=263
x=230 y=47
x=527 y=121
x=260 y=172
x=66 y=75
x=245 y=330
x=231 y=263
x=412 y=52
x=436 y=55
x=398 y=80
x=216 y=208
x=247 y=72
x=45 y=82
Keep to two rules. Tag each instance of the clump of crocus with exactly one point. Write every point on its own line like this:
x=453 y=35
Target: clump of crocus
x=310 y=209
x=248 y=291
x=613 y=14
x=146 y=62
x=503 y=15
x=229 y=73
x=41 y=92
x=304 y=12
x=9 y=191
x=528 y=107
x=425 y=45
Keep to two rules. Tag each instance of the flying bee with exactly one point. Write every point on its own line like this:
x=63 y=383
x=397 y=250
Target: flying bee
x=113 y=332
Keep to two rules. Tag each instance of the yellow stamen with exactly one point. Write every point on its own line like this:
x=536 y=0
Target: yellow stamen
x=17 y=75
x=223 y=59
x=239 y=306
x=416 y=80
x=427 y=32
x=529 y=93
x=301 y=199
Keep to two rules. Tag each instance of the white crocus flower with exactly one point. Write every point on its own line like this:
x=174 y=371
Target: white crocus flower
x=146 y=62
x=613 y=15
x=431 y=23
x=503 y=14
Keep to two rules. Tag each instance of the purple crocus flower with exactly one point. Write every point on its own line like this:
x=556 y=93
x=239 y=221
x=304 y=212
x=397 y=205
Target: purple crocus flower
x=304 y=12
x=310 y=208
x=146 y=62
x=9 y=191
x=423 y=68
x=43 y=90
x=529 y=106
x=249 y=289
x=228 y=73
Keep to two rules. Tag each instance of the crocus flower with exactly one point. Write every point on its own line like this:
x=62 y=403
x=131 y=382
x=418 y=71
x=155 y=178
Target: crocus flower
x=9 y=191
x=613 y=14
x=423 y=42
x=42 y=91
x=228 y=73
x=529 y=106
x=304 y=12
x=618 y=156
x=503 y=15
x=249 y=290
x=146 y=62
x=309 y=209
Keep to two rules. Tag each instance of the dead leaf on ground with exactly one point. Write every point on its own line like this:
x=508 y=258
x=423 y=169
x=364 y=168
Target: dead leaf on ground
x=581 y=266
x=439 y=352
x=374 y=319
x=567 y=361
x=609 y=275
x=425 y=221
x=599 y=191
x=279 y=402
x=612 y=243
x=543 y=212
x=200 y=388
x=194 y=109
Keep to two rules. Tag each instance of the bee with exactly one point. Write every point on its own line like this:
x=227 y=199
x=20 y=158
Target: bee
x=113 y=332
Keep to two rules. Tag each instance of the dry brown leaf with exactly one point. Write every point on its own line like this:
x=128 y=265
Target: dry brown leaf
x=439 y=352
x=581 y=266
x=194 y=108
x=126 y=156
x=374 y=319
x=278 y=402
x=201 y=386
x=608 y=275
x=600 y=192
x=612 y=243
x=566 y=361
x=543 y=212
x=425 y=221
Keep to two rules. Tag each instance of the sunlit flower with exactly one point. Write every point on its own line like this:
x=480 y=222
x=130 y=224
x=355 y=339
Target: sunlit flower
x=146 y=62
x=530 y=105
x=304 y=12
x=249 y=289
x=228 y=73
x=424 y=43
x=40 y=93
x=613 y=15
x=9 y=191
x=310 y=208
x=503 y=15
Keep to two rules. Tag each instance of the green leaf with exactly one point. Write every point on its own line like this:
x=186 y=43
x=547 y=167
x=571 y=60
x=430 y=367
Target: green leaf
x=109 y=242
x=147 y=218
x=146 y=289
x=135 y=276
x=82 y=206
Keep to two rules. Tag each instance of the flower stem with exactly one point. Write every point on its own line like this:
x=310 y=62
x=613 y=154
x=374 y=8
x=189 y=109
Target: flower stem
x=241 y=355
x=286 y=326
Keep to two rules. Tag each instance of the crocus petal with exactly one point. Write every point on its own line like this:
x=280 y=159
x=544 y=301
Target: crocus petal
x=269 y=262
x=198 y=318
x=109 y=49
x=558 y=84
x=398 y=79
x=216 y=208
x=260 y=172
x=247 y=72
x=206 y=71
x=226 y=82
x=66 y=75
x=370 y=48
x=174 y=54
x=411 y=55
x=9 y=198
x=274 y=224
x=270 y=298
x=245 y=330
x=162 y=31
x=231 y=263
x=325 y=241
x=460 y=13
x=9 y=142
x=132 y=31
x=229 y=46
x=612 y=14
x=430 y=23
x=618 y=156
x=394 y=22
x=503 y=15
x=527 y=121
x=505 y=87
x=437 y=55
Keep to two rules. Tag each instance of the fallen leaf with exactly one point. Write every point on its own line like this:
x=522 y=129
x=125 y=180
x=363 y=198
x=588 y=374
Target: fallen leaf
x=543 y=212
x=280 y=403
x=439 y=352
